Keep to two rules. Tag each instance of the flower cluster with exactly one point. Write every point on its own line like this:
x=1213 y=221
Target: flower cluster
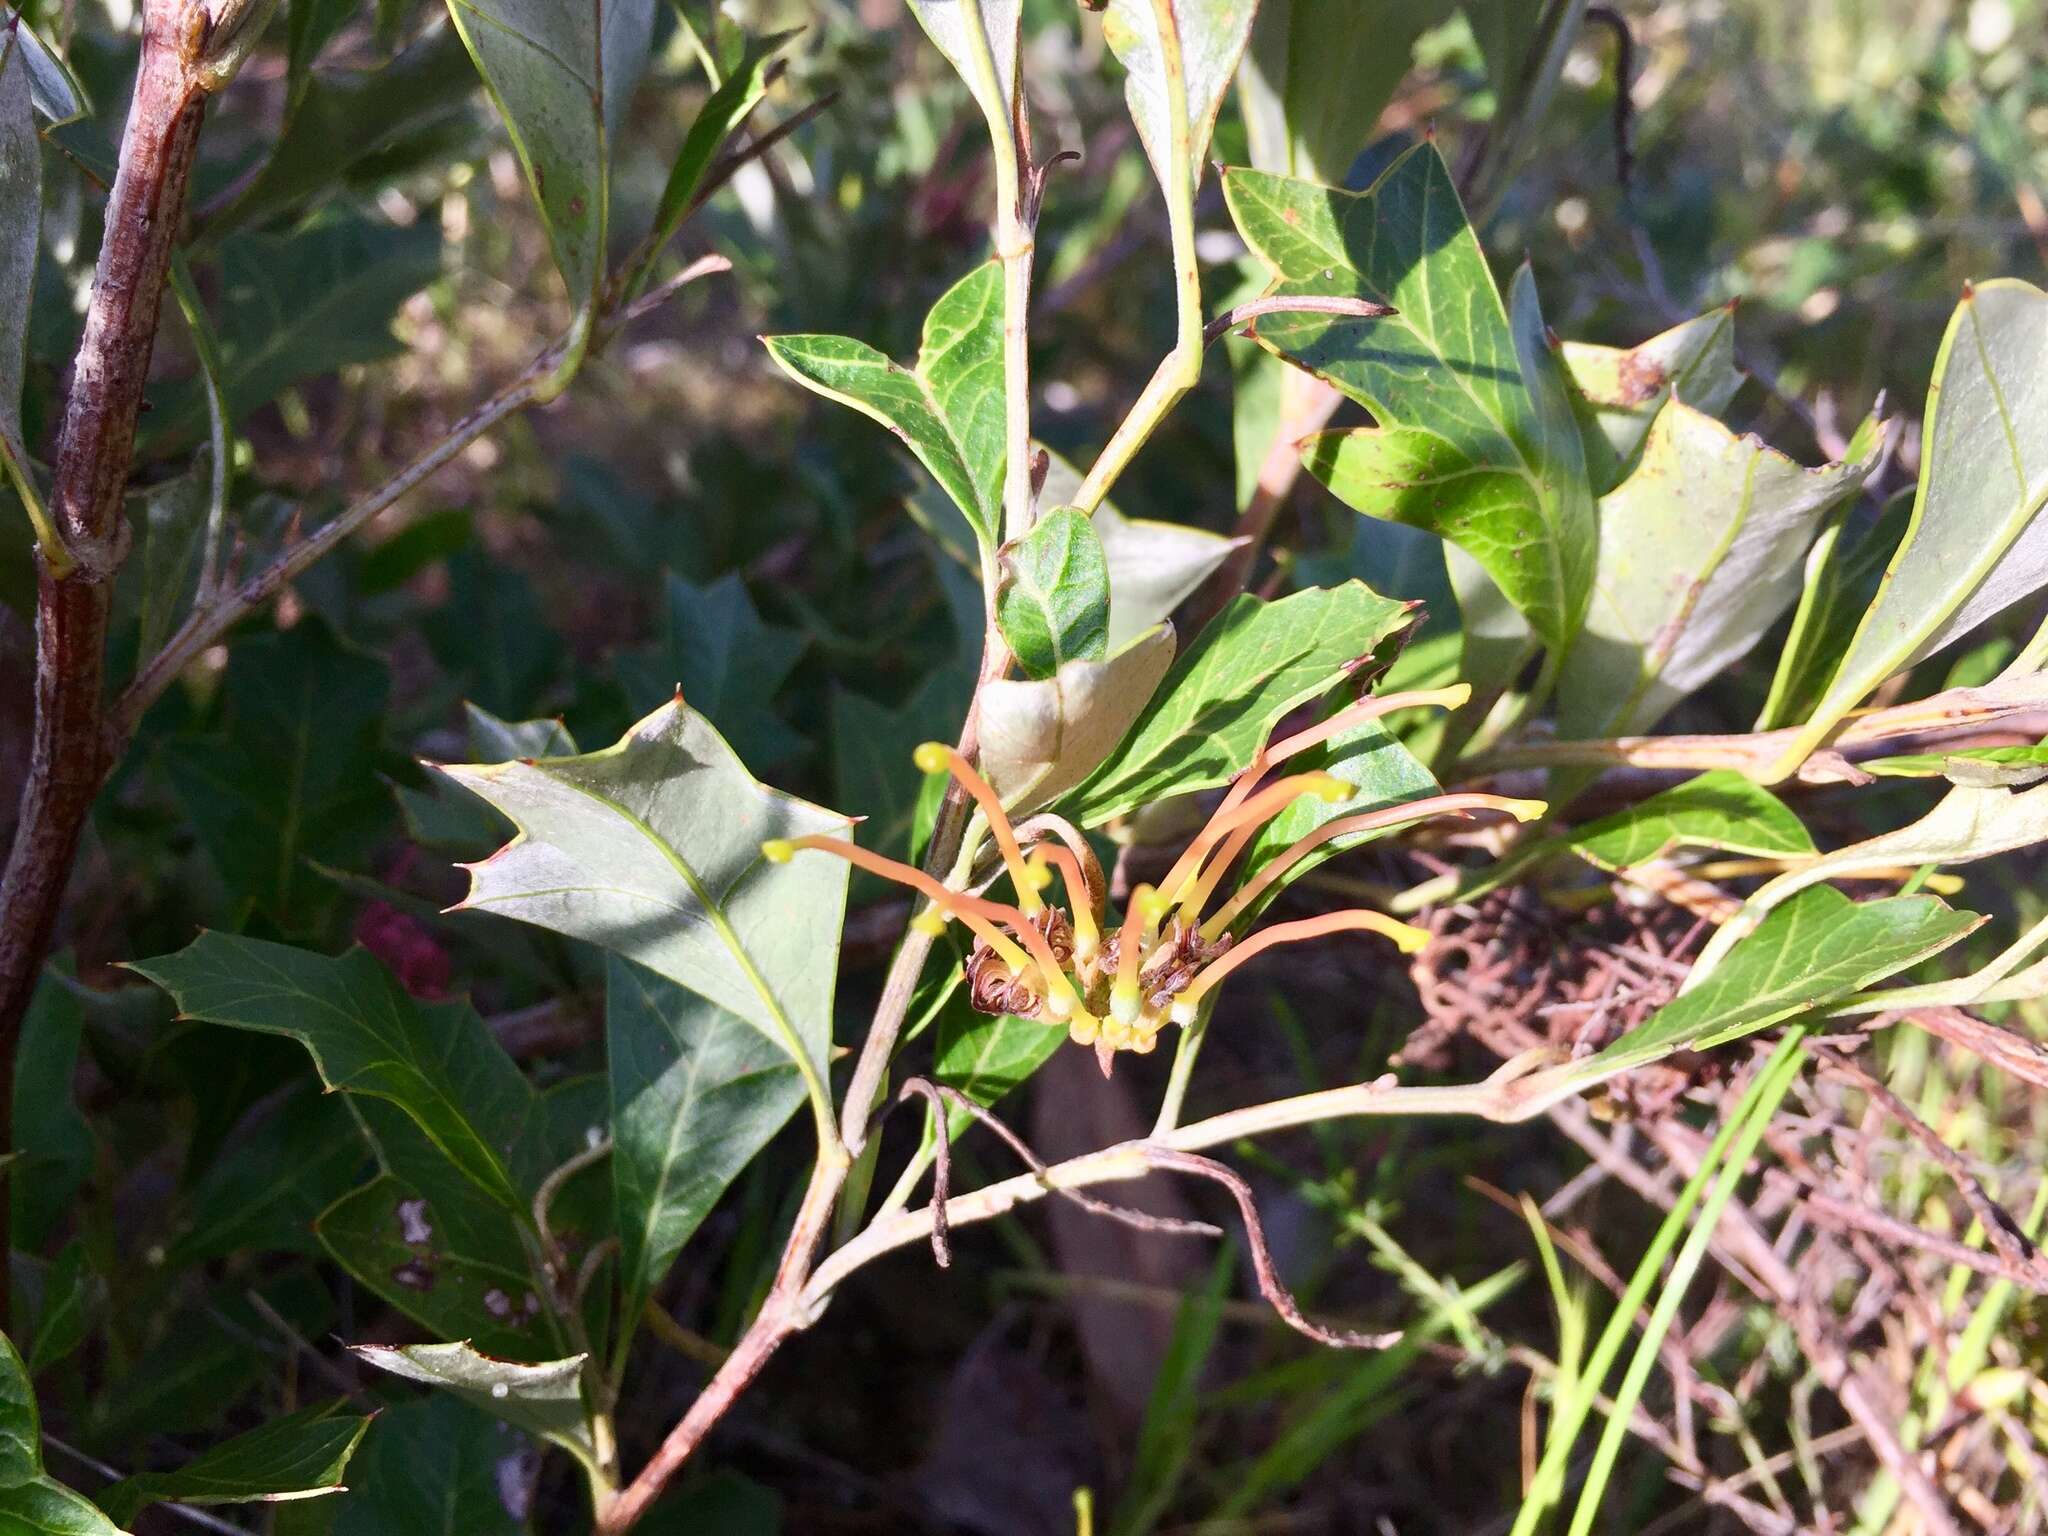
x=1114 y=987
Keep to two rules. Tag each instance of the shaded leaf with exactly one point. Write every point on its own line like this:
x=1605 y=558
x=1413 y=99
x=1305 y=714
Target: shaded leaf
x=53 y=88
x=1318 y=75
x=295 y=1457
x=948 y=409
x=431 y=1465
x=1252 y=664
x=871 y=746
x=491 y=636
x=44 y=1507
x=1700 y=552
x=30 y=1502
x=727 y=662
x=652 y=849
x=986 y=1056
x=289 y=775
x=265 y=1194
x=51 y=1138
x=172 y=518
x=562 y=72
x=466 y=1277
x=1054 y=604
x=343 y=121
x=1476 y=441
x=1211 y=36
x=445 y=815
x=696 y=1093
x=301 y=305
x=67 y=1294
x=1039 y=739
x=1976 y=542
x=21 y=1427
x=545 y=1399
x=1617 y=392
x=439 y=1065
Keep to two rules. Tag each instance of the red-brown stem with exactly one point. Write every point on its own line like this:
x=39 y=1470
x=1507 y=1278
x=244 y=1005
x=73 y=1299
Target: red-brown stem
x=70 y=753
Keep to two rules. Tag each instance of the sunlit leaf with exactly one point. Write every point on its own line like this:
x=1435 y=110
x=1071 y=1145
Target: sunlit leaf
x=1980 y=767
x=1040 y=738
x=948 y=408
x=1617 y=392
x=1475 y=438
x=952 y=31
x=1977 y=542
x=1054 y=603
x=1252 y=664
x=1210 y=37
x=1700 y=552
x=1843 y=570
x=652 y=848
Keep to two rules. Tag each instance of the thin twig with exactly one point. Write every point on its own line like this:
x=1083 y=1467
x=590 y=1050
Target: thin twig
x=1295 y=304
x=942 y=1164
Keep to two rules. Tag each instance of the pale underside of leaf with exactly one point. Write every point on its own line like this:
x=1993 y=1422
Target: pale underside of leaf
x=1212 y=36
x=1039 y=739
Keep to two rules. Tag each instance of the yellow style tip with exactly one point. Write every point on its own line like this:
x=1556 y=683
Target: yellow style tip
x=778 y=850
x=1527 y=810
x=932 y=757
x=931 y=921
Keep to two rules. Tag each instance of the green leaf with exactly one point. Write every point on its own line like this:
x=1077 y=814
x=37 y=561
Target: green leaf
x=948 y=409
x=652 y=849
x=986 y=1056
x=43 y=1507
x=545 y=1399
x=561 y=73
x=21 y=1427
x=1721 y=810
x=1040 y=738
x=1381 y=771
x=1153 y=565
x=716 y=121
x=1475 y=438
x=52 y=1140
x=299 y=1456
x=1976 y=543
x=348 y=122
x=724 y=1501
x=696 y=1093
x=1211 y=35
x=1811 y=951
x=466 y=1276
x=30 y=1503
x=871 y=747
x=1966 y=824
x=439 y=1065
x=1319 y=74
x=490 y=634
x=1002 y=22
x=1617 y=392
x=1843 y=571
x=1700 y=552
x=52 y=86
x=1979 y=767
x=289 y=775
x=68 y=1293
x=302 y=305
x=445 y=815
x=1252 y=664
x=727 y=663
x=171 y=519
x=265 y=1194
x=1053 y=606
x=431 y=1465
x=21 y=222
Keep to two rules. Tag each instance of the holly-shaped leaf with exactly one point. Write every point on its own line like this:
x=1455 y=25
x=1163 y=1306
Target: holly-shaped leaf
x=715 y=648
x=651 y=848
x=302 y=1455
x=947 y=408
x=543 y=1398
x=1475 y=440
